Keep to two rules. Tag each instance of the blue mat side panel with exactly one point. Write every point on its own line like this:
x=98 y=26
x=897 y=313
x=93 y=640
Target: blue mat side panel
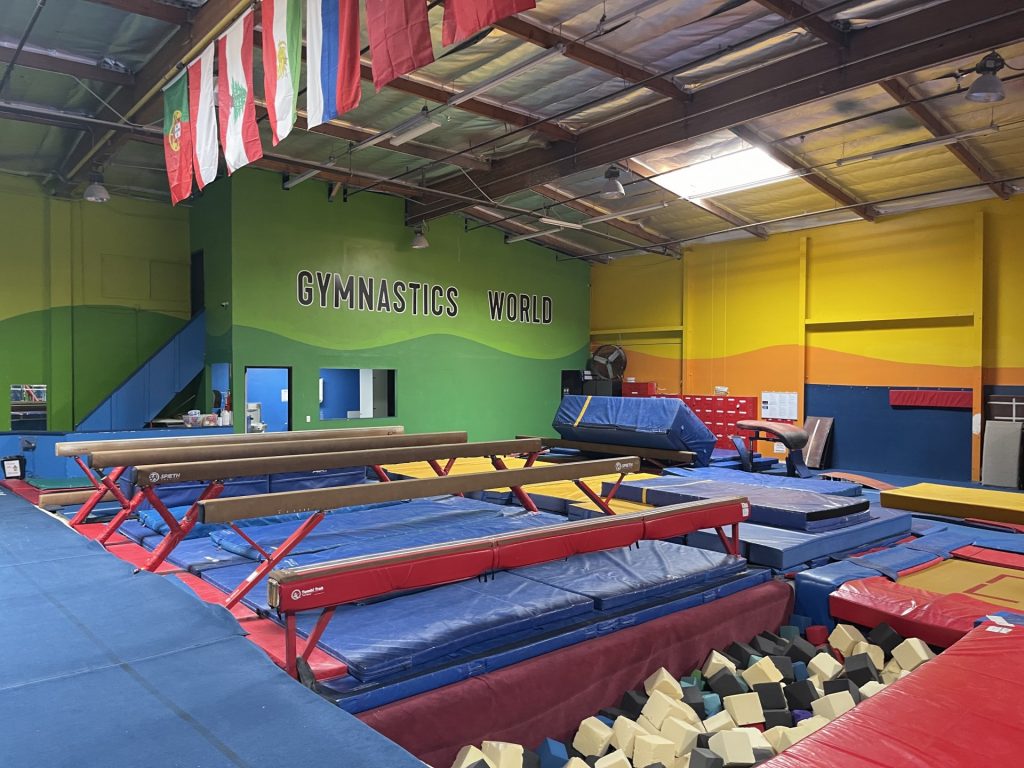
x=889 y=562
x=321 y=478
x=715 y=472
x=644 y=422
x=813 y=586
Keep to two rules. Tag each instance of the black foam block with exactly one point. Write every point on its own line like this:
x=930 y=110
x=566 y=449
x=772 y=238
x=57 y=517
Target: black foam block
x=725 y=683
x=860 y=669
x=771 y=695
x=886 y=638
x=703 y=741
x=741 y=652
x=777 y=639
x=633 y=703
x=801 y=694
x=530 y=759
x=614 y=712
x=766 y=647
x=695 y=699
x=841 y=684
x=705 y=758
x=773 y=717
x=763 y=755
x=591 y=760
x=799 y=649
x=785 y=666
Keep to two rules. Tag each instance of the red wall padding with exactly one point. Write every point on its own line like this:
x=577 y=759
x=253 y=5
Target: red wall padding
x=930 y=398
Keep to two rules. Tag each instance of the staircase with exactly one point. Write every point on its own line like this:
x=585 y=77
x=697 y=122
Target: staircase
x=141 y=397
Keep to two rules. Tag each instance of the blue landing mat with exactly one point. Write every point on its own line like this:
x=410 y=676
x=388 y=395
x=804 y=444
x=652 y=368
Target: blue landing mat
x=781 y=548
x=620 y=577
x=715 y=472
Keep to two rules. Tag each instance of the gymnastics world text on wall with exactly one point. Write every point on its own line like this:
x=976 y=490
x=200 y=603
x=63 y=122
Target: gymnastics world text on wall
x=361 y=293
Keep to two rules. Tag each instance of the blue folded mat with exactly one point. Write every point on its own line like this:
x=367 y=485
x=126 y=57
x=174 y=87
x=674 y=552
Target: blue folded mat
x=715 y=472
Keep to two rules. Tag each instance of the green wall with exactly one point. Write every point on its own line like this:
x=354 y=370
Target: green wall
x=493 y=379
x=87 y=293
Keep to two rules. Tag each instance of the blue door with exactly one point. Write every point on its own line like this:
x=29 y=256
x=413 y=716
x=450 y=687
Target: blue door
x=267 y=399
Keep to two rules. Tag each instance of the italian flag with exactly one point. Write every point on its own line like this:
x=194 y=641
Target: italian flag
x=282 y=60
x=177 y=139
x=239 y=136
x=202 y=110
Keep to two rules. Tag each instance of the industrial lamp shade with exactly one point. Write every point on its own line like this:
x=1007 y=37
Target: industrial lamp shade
x=419 y=240
x=96 y=192
x=612 y=189
x=986 y=89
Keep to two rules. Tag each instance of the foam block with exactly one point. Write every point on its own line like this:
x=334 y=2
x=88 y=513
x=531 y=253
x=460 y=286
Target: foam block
x=891 y=671
x=552 y=754
x=774 y=734
x=705 y=758
x=788 y=738
x=886 y=638
x=575 y=762
x=721 y=722
x=800 y=715
x=870 y=688
x=647 y=726
x=616 y=759
x=649 y=750
x=763 y=755
x=845 y=637
x=744 y=708
x=725 y=683
x=799 y=649
x=771 y=695
x=624 y=731
x=683 y=761
x=788 y=632
x=800 y=695
x=799 y=671
x=824 y=666
x=605 y=719
x=813 y=724
x=733 y=747
x=471 y=756
x=912 y=653
x=741 y=652
x=763 y=671
x=817 y=683
x=860 y=668
x=756 y=738
x=663 y=681
x=785 y=666
x=694 y=699
x=841 y=684
x=712 y=704
x=774 y=718
x=682 y=734
x=716 y=662
x=874 y=652
x=632 y=703
x=530 y=759
x=503 y=754
x=833 y=705
x=660 y=706
x=592 y=738
x=817 y=634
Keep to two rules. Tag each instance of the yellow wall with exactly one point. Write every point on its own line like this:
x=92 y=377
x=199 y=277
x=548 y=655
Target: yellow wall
x=922 y=299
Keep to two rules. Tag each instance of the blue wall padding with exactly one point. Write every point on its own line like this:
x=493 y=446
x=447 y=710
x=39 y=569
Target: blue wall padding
x=714 y=472
x=813 y=587
x=781 y=548
x=620 y=577
x=871 y=435
x=889 y=562
x=782 y=507
x=643 y=422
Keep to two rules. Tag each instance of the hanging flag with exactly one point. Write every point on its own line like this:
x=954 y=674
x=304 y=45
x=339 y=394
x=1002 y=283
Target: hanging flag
x=177 y=139
x=464 y=18
x=239 y=136
x=203 y=114
x=282 y=57
x=332 y=57
x=399 y=38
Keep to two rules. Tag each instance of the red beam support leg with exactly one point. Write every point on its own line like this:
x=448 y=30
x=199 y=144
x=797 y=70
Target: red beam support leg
x=520 y=494
x=730 y=543
x=179 y=529
x=590 y=494
x=90 y=504
x=381 y=474
x=127 y=510
x=290 y=638
x=271 y=562
x=314 y=637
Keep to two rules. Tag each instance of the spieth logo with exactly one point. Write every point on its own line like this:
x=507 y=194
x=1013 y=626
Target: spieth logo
x=298 y=594
x=169 y=476
x=154 y=477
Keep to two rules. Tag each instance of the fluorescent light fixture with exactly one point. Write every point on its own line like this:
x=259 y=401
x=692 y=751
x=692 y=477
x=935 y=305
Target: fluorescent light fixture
x=903 y=149
x=746 y=169
x=407 y=130
x=627 y=214
x=559 y=223
x=494 y=82
x=531 y=235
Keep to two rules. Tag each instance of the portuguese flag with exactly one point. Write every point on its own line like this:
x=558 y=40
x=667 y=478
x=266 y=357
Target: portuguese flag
x=177 y=138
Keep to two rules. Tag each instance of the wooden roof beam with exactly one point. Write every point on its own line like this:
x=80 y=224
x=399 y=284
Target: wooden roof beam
x=64 y=65
x=817 y=26
x=172 y=14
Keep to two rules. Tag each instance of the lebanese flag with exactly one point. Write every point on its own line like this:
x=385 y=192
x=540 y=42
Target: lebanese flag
x=203 y=114
x=239 y=136
x=282 y=62
x=333 y=84
x=399 y=33
x=177 y=139
x=464 y=18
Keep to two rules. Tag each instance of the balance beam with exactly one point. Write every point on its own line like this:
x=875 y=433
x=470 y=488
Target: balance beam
x=794 y=438
x=322 y=499
x=656 y=455
x=325 y=586
x=104 y=484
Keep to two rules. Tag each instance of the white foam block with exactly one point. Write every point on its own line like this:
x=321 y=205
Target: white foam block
x=715 y=662
x=744 y=708
x=648 y=750
x=764 y=671
x=616 y=759
x=683 y=761
x=871 y=687
x=624 y=731
x=575 y=762
x=469 y=755
x=757 y=739
x=912 y=653
x=592 y=738
x=790 y=737
x=832 y=706
x=733 y=747
x=774 y=736
x=663 y=681
x=844 y=637
x=721 y=722
x=825 y=666
x=503 y=754
x=647 y=726
x=682 y=734
x=812 y=724
x=658 y=707
x=874 y=652
x=891 y=671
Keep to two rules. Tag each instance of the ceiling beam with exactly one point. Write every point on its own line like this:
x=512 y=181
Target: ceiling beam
x=813 y=176
x=292 y=165
x=45 y=115
x=902 y=95
x=554 y=242
x=172 y=14
x=817 y=26
x=65 y=65
x=911 y=42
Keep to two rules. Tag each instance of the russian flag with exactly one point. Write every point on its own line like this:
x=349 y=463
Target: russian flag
x=333 y=84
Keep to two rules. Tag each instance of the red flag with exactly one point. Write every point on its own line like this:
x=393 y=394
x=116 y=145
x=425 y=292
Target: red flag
x=464 y=18
x=399 y=38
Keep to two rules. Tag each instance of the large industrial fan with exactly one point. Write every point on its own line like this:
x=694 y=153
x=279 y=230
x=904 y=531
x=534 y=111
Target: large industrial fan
x=608 y=362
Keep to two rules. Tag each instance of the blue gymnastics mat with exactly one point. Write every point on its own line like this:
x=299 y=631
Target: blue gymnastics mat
x=715 y=472
x=620 y=577
x=782 y=548
x=502 y=651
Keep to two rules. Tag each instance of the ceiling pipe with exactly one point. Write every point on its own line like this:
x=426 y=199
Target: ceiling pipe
x=40 y=4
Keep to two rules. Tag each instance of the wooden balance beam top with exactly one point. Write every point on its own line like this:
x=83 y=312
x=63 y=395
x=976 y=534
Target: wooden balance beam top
x=134 y=457
x=609 y=449
x=86 y=447
x=160 y=474
x=243 y=507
